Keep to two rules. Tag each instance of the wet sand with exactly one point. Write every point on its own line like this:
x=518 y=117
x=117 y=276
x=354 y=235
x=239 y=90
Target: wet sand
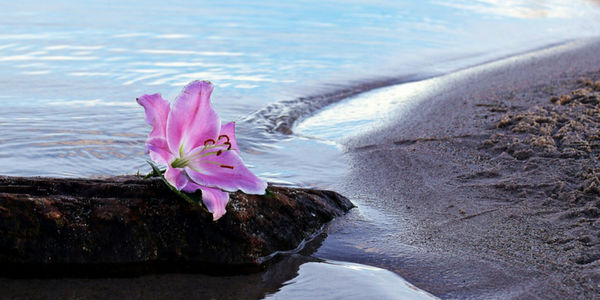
x=494 y=178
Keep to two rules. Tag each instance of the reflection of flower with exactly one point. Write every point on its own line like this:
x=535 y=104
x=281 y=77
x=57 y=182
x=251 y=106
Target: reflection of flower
x=199 y=153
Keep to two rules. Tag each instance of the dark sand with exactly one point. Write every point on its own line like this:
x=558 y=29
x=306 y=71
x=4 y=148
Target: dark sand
x=495 y=177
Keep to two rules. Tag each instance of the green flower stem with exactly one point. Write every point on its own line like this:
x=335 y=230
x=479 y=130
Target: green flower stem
x=194 y=199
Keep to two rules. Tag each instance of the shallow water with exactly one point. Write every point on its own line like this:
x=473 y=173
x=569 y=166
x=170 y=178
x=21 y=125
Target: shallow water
x=374 y=283
x=69 y=81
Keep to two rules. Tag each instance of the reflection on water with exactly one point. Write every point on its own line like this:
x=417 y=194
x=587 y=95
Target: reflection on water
x=352 y=115
x=66 y=72
x=79 y=142
x=294 y=277
x=158 y=286
x=521 y=8
x=341 y=280
x=290 y=276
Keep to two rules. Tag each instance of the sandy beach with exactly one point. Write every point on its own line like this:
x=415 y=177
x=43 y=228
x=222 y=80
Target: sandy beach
x=495 y=178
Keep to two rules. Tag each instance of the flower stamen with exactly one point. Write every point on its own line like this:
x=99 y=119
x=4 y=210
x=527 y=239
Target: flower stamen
x=214 y=163
x=223 y=136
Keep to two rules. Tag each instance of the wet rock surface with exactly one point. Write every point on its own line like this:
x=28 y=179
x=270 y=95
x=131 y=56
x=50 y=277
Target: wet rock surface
x=52 y=225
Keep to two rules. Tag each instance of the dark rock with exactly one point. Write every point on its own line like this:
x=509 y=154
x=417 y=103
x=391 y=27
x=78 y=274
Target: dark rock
x=58 y=223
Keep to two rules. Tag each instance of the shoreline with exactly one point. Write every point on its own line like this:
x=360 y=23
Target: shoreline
x=283 y=115
x=480 y=221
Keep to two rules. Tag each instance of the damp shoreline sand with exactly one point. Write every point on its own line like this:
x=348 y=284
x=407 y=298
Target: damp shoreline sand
x=496 y=178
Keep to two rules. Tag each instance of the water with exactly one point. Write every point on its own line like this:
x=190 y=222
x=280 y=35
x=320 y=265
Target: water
x=352 y=115
x=375 y=283
x=70 y=72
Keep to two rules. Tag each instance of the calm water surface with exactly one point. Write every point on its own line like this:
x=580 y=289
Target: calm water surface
x=70 y=72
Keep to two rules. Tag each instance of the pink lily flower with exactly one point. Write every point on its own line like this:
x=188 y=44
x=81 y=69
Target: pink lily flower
x=198 y=151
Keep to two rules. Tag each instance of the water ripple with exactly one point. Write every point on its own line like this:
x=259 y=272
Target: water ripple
x=272 y=63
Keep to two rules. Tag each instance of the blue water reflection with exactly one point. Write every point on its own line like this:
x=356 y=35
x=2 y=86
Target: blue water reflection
x=70 y=70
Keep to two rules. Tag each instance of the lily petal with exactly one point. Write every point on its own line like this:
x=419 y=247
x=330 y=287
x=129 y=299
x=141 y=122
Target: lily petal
x=159 y=150
x=229 y=130
x=192 y=120
x=157 y=110
x=176 y=177
x=235 y=176
x=214 y=199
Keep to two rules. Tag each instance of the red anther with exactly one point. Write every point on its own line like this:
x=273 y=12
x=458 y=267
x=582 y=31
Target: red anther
x=223 y=136
x=227 y=167
x=219 y=152
x=212 y=142
x=228 y=145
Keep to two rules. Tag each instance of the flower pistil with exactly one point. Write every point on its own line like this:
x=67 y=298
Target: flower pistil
x=221 y=145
